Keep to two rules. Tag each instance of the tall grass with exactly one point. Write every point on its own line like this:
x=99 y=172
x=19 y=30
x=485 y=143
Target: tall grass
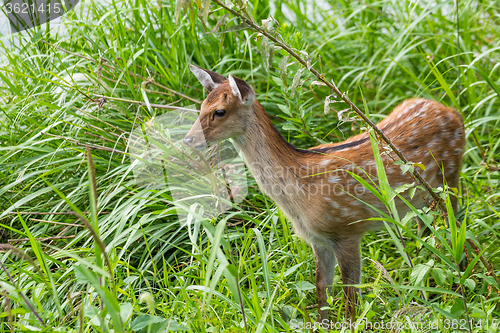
x=84 y=248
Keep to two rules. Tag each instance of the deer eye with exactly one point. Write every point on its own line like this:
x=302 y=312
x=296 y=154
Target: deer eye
x=220 y=113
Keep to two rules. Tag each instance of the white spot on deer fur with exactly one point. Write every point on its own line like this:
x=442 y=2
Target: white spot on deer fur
x=431 y=167
x=234 y=87
x=324 y=162
x=357 y=203
x=334 y=204
x=434 y=143
x=351 y=182
x=421 y=112
x=333 y=179
x=349 y=167
x=431 y=179
x=204 y=78
x=327 y=198
x=345 y=212
x=369 y=163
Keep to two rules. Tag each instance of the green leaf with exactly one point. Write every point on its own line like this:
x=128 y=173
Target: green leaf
x=237 y=27
x=296 y=81
x=285 y=109
x=126 y=311
x=205 y=5
x=420 y=272
x=439 y=276
x=232 y=269
x=404 y=187
x=84 y=275
x=302 y=285
x=470 y=267
x=289 y=127
x=144 y=321
x=411 y=192
x=471 y=284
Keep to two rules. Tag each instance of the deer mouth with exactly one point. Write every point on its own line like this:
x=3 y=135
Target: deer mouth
x=200 y=146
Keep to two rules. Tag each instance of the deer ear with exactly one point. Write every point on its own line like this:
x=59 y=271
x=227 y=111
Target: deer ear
x=241 y=90
x=208 y=79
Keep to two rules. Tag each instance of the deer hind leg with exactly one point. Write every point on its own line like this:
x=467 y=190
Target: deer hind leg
x=324 y=259
x=348 y=256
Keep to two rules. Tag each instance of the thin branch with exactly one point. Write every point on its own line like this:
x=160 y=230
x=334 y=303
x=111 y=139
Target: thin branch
x=159 y=106
x=86 y=145
x=41 y=239
x=58 y=223
x=52 y=213
x=104 y=122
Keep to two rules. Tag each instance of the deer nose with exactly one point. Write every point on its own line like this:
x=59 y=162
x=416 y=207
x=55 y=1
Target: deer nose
x=188 y=140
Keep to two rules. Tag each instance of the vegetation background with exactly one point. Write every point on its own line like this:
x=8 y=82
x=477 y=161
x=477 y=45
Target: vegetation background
x=157 y=274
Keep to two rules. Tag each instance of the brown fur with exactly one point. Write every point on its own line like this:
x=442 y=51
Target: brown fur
x=312 y=187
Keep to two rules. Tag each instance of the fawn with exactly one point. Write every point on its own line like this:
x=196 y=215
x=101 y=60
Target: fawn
x=312 y=187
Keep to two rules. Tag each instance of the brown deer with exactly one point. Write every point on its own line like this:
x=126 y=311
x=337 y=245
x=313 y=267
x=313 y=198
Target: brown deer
x=327 y=207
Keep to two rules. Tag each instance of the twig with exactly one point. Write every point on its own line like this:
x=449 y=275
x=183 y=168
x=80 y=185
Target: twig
x=159 y=106
x=86 y=145
x=68 y=52
x=99 y=137
x=177 y=93
x=58 y=223
x=41 y=239
x=53 y=213
x=96 y=118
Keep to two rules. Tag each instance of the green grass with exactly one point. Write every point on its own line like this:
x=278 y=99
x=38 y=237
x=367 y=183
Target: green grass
x=156 y=272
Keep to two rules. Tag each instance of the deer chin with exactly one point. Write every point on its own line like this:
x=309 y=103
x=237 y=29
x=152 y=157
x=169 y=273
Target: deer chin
x=200 y=146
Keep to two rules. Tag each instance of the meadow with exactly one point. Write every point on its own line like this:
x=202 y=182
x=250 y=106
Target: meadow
x=85 y=247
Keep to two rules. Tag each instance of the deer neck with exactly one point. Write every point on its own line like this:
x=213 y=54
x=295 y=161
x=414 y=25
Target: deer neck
x=275 y=164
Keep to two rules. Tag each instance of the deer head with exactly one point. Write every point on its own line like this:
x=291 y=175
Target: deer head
x=224 y=113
